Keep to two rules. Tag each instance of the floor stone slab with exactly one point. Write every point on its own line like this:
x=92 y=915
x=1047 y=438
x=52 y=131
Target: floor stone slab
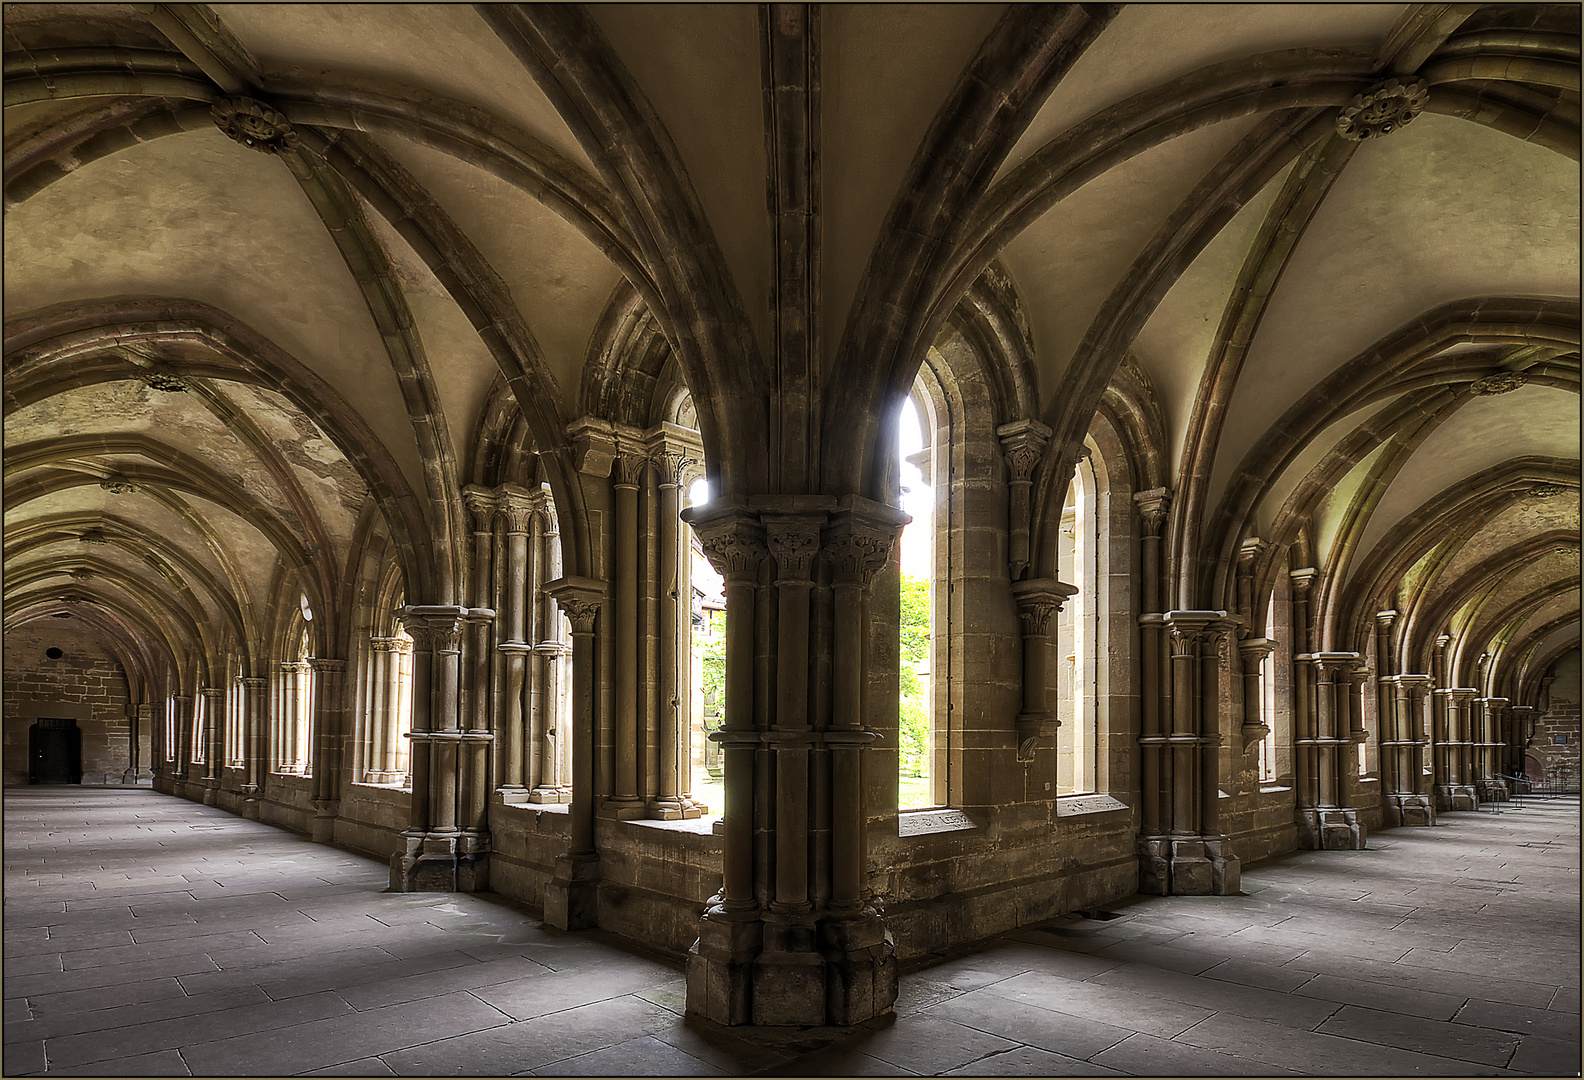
x=1460 y=1041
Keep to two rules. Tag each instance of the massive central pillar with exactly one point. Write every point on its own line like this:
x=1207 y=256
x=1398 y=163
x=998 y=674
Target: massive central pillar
x=793 y=937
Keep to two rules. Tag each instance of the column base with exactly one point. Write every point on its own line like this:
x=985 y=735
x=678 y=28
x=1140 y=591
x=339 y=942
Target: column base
x=211 y=791
x=673 y=809
x=1411 y=810
x=1188 y=866
x=720 y=965
x=1336 y=828
x=1492 y=790
x=322 y=828
x=544 y=794
x=791 y=971
x=571 y=897
x=624 y=809
x=452 y=862
x=1456 y=797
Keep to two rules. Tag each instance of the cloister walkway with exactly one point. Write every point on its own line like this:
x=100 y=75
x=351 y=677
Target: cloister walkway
x=148 y=935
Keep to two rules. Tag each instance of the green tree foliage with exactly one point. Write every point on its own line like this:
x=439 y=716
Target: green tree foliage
x=913 y=721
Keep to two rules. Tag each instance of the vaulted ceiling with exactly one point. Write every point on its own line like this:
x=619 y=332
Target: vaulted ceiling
x=224 y=367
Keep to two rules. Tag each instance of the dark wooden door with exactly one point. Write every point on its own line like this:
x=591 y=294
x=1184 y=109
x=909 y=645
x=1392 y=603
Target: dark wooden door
x=54 y=752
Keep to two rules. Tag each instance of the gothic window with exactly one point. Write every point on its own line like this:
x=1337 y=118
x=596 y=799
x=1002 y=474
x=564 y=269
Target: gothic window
x=1079 y=631
x=918 y=740
x=170 y=728
x=235 y=722
x=291 y=733
x=1266 y=703
x=706 y=667
x=386 y=712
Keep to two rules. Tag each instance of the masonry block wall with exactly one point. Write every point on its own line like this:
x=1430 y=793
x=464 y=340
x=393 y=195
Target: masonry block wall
x=85 y=683
x=1557 y=729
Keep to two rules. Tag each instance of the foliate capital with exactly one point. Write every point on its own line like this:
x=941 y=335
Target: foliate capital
x=1023 y=442
x=860 y=537
x=481 y=503
x=579 y=599
x=1038 y=599
x=793 y=541
x=434 y=628
x=732 y=538
x=1153 y=506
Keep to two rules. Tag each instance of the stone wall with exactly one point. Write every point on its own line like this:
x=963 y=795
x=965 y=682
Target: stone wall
x=85 y=683
x=1557 y=731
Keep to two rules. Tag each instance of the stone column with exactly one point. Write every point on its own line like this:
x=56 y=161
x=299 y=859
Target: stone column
x=1038 y=601
x=329 y=734
x=1454 y=787
x=383 y=687
x=731 y=935
x=184 y=740
x=571 y=897
x=1252 y=653
x=794 y=938
x=1402 y=754
x=672 y=460
x=517 y=745
x=1193 y=858
x=1306 y=766
x=1493 y=783
x=214 y=702
x=436 y=857
x=1023 y=444
x=474 y=779
x=1520 y=725
x=549 y=724
x=1155 y=766
x=625 y=800
x=255 y=705
x=1326 y=820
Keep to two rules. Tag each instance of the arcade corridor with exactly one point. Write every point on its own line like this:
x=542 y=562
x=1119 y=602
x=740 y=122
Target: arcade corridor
x=148 y=935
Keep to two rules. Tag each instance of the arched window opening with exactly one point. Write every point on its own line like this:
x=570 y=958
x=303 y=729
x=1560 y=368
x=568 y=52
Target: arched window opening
x=170 y=728
x=200 y=728
x=235 y=720
x=292 y=733
x=917 y=739
x=387 y=708
x=707 y=664
x=1267 y=702
x=1078 y=633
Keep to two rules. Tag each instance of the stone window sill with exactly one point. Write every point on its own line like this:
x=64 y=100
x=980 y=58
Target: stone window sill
x=930 y=822
x=703 y=826
x=1078 y=805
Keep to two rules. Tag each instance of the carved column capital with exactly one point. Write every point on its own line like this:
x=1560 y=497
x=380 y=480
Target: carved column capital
x=860 y=537
x=1249 y=551
x=593 y=445
x=517 y=506
x=675 y=452
x=1023 y=443
x=434 y=628
x=323 y=666
x=1153 y=506
x=793 y=541
x=1303 y=579
x=481 y=503
x=628 y=469
x=580 y=600
x=1038 y=599
x=212 y=692
x=732 y=539
x=1254 y=651
x=253 y=683
x=1385 y=619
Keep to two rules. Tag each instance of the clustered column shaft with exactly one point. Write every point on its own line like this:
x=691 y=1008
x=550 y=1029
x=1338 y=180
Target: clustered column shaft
x=793 y=937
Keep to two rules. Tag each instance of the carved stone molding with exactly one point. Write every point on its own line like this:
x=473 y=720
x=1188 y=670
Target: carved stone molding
x=1382 y=109
x=117 y=487
x=481 y=504
x=580 y=600
x=163 y=381
x=434 y=629
x=1153 y=506
x=1038 y=599
x=732 y=539
x=1501 y=382
x=628 y=469
x=1539 y=491
x=793 y=542
x=254 y=124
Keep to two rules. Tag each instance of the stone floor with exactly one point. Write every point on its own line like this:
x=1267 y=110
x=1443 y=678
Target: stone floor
x=146 y=935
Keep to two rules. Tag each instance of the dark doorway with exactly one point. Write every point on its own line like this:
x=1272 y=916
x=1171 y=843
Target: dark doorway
x=54 y=752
